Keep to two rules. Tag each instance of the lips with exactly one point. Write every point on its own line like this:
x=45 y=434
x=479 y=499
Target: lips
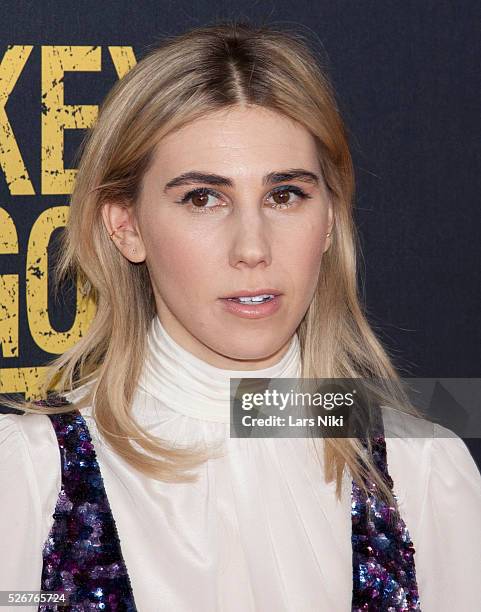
x=252 y=310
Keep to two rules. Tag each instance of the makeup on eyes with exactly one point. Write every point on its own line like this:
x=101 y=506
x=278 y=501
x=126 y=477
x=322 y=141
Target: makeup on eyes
x=208 y=191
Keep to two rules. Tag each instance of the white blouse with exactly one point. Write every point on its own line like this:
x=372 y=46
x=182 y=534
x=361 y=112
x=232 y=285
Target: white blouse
x=260 y=530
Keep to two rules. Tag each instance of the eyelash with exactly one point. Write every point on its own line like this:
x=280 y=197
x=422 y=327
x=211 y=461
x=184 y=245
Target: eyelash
x=210 y=209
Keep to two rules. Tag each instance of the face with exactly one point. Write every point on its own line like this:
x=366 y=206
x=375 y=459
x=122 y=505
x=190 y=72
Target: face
x=232 y=202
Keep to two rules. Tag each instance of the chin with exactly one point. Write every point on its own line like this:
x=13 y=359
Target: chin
x=251 y=347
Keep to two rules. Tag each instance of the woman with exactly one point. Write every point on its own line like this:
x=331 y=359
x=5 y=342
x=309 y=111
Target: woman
x=218 y=169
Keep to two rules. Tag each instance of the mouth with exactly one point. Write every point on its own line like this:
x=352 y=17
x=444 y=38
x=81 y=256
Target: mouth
x=256 y=299
x=253 y=305
x=259 y=296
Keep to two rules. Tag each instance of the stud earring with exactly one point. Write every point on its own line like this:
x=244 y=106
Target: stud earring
x=328 y=234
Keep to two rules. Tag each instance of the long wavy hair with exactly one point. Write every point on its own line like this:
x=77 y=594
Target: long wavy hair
x=185 y=77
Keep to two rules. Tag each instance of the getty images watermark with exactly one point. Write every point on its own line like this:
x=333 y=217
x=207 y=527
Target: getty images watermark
x=353 y=407
x=326 y=401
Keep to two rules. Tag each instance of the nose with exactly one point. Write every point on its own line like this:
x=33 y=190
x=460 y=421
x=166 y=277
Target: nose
x=251 y=240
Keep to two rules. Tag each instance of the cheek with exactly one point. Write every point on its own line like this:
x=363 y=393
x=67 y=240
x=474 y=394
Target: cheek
x=177 y=254
x=301 y=253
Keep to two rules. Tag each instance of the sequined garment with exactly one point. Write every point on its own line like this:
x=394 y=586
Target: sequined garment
x=384 y=576
x=82 y=554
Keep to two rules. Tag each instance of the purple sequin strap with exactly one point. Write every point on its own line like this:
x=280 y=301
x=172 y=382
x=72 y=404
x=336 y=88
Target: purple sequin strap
x=82 y=555
x=384 y=576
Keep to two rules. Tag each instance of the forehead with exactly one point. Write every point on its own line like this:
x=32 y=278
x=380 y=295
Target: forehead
x=239 y=140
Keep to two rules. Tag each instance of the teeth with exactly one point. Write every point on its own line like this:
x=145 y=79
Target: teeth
x=254 y=298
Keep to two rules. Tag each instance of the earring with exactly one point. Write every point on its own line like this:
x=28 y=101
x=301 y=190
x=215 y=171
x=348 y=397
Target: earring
x=110 y=235
x=328 y=234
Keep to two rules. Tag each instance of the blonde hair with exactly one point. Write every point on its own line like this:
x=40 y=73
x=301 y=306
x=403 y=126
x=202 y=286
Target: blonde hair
x=185 y=77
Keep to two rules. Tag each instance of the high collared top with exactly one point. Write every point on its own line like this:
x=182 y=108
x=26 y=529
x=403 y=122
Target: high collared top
x=195 y=388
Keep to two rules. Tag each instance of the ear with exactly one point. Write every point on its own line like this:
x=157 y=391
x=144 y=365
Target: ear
x=119 y=219
x=330 y=225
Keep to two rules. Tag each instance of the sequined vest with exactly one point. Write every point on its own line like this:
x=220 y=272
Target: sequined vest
x=82 y=554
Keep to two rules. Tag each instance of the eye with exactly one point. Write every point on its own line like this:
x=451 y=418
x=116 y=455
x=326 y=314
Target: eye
x=199 y=199
x=201 y=202
x=282 y=196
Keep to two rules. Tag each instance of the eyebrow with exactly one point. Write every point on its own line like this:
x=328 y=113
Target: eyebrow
x=270 y=178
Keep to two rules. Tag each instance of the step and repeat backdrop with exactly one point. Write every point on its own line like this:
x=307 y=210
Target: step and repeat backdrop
x=407 y=78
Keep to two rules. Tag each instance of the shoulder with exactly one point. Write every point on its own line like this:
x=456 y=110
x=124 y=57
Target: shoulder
x=438 y=487
x=423 y=449
x=29 y=452
x=432 y=470
x=25 y=436
x=30 y=469
x=420 y=443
